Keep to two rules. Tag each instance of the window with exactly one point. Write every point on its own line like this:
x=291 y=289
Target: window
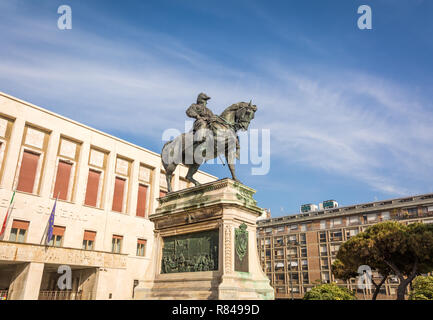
x=293 y=265
x=325 y=264
x=63 y=178
x=57 y=238
x=92 y=191
x=279 y=266
x=304 y=264
x=412 y=211
x=336 y=222
x=67 y=158
x=334 y=248
x=143 y=204
x=336 y=236
x=28 y=170
x=141 y=247
x=303 y=227
x=371 y=217
x=292 y=252
x=350 y=233
x=116 y=244
x=385 y=216
x=322 y=236
x=89 y=240
x=323 y=224
x=302 y=238
x=291 y=240
x=353 y=220
x=294 y=227
x=279 y=241
x=32 y=154
x=19 y=231
x=121 y=185
x=142 y=200
x=324 y=250
x=5 y=131
x=325 y=277
x=305 y=278
x=280 y=229
x=118 y=195
x=303 y=252
x=95 y=180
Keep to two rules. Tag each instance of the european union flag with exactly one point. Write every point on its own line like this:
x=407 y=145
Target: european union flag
x=51 y=223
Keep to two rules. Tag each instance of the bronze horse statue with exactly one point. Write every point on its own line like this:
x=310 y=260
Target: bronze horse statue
x=220 y=138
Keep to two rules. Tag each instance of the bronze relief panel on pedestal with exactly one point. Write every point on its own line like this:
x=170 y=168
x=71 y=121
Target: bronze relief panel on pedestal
x=192 y=252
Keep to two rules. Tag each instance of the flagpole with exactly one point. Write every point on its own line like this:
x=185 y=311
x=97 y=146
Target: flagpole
x=8 y=213
x=51 y=222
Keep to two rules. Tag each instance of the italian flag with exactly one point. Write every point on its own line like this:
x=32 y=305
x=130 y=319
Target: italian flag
x=7 y=215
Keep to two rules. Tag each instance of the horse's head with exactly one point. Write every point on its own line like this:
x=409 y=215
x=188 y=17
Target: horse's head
x=244 y=115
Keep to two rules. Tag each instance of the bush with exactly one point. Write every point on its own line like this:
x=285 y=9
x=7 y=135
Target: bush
x=422 y=288
x=329 y=292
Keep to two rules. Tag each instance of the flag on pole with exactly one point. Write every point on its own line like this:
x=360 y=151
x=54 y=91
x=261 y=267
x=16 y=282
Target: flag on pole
x=7 y=215
x=51 y=223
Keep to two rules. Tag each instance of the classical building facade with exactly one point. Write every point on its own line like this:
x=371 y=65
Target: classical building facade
x=297 y=251
x=106 y=190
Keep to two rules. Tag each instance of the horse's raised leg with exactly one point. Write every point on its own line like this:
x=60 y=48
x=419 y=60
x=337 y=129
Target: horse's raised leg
x=192 y=169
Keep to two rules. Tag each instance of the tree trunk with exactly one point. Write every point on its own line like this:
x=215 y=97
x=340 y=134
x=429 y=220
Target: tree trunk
x=401 y=290
x=378 y=286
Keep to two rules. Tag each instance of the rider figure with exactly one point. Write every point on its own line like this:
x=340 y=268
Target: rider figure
x=203 y=115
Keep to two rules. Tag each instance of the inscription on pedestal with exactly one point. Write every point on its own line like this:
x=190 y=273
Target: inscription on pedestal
x=192 y=252
x=241 y=248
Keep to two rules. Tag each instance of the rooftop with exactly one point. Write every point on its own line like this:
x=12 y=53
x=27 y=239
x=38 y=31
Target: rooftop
x=347 y=210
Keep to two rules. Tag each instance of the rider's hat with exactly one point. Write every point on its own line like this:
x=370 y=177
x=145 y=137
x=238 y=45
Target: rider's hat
x=202 y=97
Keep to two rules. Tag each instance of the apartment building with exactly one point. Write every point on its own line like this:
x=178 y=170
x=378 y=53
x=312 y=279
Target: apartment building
x=106 y=190
x=297 y=251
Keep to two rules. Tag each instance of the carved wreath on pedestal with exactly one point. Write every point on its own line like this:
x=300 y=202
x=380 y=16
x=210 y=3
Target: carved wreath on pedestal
x=241 y=241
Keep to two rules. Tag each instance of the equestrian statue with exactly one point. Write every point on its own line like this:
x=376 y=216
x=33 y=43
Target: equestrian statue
x=212 y=136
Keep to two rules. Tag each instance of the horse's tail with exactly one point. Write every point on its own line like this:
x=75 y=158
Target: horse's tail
x=162 y=153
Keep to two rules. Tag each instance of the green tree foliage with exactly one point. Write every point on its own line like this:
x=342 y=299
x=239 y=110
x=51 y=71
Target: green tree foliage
x=422 y=288
x=389 y=247
x=357 y=252
x=329 y=291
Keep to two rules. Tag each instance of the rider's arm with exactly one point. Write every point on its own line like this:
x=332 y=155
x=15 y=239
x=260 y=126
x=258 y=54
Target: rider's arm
x=192 y=112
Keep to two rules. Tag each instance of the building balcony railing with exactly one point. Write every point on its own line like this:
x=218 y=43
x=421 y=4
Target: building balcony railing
x=60 y=295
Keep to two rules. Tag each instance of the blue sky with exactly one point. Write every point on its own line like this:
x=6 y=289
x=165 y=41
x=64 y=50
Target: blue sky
x=350 y=111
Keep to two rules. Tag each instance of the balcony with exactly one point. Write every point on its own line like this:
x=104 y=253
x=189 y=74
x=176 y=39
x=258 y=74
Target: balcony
x=60 y=295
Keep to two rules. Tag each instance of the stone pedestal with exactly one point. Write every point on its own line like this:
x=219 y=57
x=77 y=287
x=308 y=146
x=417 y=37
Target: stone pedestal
x=206 y=246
